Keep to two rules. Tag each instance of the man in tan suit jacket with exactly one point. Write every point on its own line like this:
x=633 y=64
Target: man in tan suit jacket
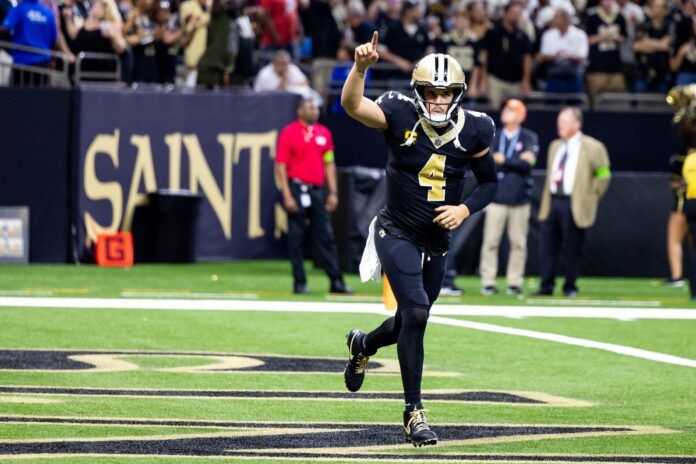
x=577 y=175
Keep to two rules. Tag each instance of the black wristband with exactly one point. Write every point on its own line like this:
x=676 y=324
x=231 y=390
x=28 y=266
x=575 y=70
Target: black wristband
x=483 y=168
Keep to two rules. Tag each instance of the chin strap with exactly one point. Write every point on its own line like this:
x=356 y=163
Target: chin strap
x=457 y=144
x=412 y=136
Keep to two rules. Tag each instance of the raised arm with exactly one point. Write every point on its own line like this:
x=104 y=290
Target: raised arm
x=353 y=100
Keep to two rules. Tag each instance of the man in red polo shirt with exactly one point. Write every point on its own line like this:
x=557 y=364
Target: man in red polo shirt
x=306 y=172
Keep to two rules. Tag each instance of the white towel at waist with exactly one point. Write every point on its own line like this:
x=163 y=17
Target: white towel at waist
x=370 y=267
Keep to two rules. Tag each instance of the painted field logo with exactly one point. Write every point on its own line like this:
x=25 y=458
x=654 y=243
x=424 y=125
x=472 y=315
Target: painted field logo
x=272 y=440
x=308 y=441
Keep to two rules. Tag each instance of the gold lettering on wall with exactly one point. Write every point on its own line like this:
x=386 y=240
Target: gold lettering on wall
x=200 y=175
x=255 y=143
x=144 y=170
x=97 y=190
x=201 y=178
x=173 y=141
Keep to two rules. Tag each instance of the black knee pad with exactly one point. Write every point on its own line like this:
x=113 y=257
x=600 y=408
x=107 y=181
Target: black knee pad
x=415 y=317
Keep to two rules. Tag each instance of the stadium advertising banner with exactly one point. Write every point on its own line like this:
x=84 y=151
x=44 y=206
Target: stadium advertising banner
x=218 y=145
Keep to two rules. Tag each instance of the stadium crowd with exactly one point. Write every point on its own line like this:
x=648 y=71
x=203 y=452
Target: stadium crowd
x=512 y=46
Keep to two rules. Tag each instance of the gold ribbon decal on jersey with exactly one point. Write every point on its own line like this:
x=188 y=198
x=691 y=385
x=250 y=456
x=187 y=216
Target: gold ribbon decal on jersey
x=407 y=135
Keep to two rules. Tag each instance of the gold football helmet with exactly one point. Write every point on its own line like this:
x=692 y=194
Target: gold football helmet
x=441 y=72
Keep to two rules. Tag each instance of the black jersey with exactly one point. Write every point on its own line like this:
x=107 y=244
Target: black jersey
x=428 y=173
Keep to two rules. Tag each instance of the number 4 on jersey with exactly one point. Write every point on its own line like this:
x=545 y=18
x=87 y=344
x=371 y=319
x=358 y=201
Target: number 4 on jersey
x=433 y=176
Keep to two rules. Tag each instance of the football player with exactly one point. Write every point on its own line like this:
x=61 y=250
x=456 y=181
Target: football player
x=431 y=140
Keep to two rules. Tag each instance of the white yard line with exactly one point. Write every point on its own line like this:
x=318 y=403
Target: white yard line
x=619 y=349
x=378 y=309
x=186 y=304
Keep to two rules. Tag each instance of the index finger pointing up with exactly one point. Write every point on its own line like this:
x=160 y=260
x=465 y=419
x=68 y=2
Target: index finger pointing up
x=375 y=37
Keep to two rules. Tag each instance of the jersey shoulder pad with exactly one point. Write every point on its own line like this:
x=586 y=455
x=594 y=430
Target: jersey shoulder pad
x=484 y=127
x=394 y=99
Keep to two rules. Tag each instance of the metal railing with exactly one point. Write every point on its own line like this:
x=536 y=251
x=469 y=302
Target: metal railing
x=59 y=72
x=82 y=75
x=22 y=74
x=644 y=102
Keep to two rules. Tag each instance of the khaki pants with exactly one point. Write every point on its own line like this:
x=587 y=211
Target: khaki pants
x=499 y=89
x=517 y=218
x=598 y=82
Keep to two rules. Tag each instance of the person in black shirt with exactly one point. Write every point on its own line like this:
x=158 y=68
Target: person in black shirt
x=683 y=63
x=140 y=35
x=515 y=150
x=652 y=48
x=319 y=24
x=507 y=58
x=406 y=41
x=99 y=33
x=168 y=35
x=431 y=140
x=384 y=13
x=359 y=30
x=606 y=30
x=462 y=45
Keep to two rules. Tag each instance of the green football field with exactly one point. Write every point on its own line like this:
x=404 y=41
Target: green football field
x=215 y=362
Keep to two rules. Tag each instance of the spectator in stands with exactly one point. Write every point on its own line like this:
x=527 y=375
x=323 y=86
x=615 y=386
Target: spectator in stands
x=282 y=74
x=215 y=65
x=683 y=63
x=101 y=32
x=306 y=171
x=515 y=150
x=682 y=18
x=73 y=14
x=194 y=16
x=652 y=48
x=140 y=35
x=507 y=58
x=462 y=45
x=320 y=26
x=606 y=29
x=359 y=30
x=167 y=39
x=564 y=48
x=406 y=41
x=280 y=25
x=385 y=14
x=32 y=25
x=633 y=15
x=61 y=42
x=242 y=46
x=577 y=175
x=478 y=16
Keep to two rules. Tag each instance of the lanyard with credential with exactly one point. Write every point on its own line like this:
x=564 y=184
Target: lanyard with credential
x=511 y=147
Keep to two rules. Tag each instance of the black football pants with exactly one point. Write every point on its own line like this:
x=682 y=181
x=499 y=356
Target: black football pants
x=322 y=234
x=560 y=238
x=416 y=281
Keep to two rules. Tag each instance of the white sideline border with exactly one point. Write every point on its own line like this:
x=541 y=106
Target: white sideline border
x=187 y=304
x=437 y=314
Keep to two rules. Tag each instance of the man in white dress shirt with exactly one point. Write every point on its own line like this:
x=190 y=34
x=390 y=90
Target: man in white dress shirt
x=283 y=75
x=577 y=175
x=565 y=48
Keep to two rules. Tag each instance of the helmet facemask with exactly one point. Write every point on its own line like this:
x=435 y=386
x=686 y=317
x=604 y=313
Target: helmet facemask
x=425 y=108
